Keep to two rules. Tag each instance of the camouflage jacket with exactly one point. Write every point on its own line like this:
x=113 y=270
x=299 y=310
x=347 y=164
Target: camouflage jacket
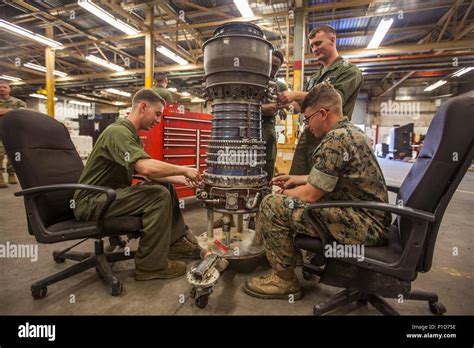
x=345 y=167
x=12 y=103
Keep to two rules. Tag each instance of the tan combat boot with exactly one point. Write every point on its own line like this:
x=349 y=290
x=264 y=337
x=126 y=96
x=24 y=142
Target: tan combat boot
x=12 y=179
x=274 y=286
x=2 y=182
x=185 y=248
x=175 y=269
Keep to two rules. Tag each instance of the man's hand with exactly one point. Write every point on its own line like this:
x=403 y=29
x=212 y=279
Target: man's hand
x=182 y=180
x=289 y=181
x=192 y=174
x=285 y=98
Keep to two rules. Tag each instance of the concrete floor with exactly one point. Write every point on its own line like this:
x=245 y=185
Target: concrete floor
x=451 y=276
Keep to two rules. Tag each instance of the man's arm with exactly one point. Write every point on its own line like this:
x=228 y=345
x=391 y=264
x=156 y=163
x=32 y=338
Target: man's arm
x=306 y=193
x=176 y=179
x=155 y=170
x=285 y=98
x=289 y=181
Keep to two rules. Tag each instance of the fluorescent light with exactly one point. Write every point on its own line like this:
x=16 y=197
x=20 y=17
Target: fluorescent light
x=244 y=8
x=9 y=78
x=43 y=69
x=105 y=63
x=119 y=92
x=197 y=100
x=104 y=15
x=185 y=94
x=79 y=103
x=41 y=96
x=462 y=71
x=435 y=85
x=15 y=29
x=166 y=52
x=172 y=89
x=85 y=97
x=379 y=34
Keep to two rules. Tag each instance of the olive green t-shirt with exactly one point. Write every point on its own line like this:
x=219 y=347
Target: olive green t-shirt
x=112 y=161
x=346 y=79
x=165 y=94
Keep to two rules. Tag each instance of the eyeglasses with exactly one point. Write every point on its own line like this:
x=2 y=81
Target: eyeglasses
x=307 y=119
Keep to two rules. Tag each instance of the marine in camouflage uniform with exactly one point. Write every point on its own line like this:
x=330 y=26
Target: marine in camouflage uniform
x=8 y=103
x=345 y=167
x=347 y=80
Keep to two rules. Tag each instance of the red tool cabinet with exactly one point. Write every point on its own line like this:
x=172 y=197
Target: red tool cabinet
x=180 y=138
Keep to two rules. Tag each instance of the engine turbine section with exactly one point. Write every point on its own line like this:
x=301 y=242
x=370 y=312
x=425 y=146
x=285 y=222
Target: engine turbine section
x=237 y=64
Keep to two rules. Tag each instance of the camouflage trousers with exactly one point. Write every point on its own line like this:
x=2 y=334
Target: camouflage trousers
x=281 y=217
x=3 y=155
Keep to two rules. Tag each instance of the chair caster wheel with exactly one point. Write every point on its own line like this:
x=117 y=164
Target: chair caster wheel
x=307 y=276
x=59 y=259
x=201 y=301
x=39 y=293
x=437 y=308
x=116 y=289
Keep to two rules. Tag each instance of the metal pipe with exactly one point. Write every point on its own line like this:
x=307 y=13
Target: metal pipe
x=210 y=223
x=240 y=222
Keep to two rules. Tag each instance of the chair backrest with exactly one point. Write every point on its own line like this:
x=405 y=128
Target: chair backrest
x=42 y=153
x=442 y=163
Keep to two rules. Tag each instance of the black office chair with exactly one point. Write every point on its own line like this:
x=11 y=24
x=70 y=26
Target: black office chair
x=48 y=168
x=389 y=270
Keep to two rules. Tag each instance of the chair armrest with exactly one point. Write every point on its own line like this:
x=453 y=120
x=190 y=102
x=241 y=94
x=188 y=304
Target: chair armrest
x=111 y=195
x=393 y=189
x=412 y=214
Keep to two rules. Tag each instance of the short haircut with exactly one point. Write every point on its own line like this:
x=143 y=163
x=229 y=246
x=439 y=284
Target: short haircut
x=147 y=95
x=161 y=77
x=279 y=55
x=323 y=95
x=326 y=28
x=5 y=82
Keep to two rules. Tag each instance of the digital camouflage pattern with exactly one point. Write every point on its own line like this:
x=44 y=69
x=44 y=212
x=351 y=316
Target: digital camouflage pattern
x=345 y=167
x=10 y=103
x=347 y=80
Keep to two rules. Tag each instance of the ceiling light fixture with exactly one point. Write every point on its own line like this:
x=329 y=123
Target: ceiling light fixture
x=104 y=15
x=43 y=69
x=104 y=63
x=166 y=52
x=15 y=29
